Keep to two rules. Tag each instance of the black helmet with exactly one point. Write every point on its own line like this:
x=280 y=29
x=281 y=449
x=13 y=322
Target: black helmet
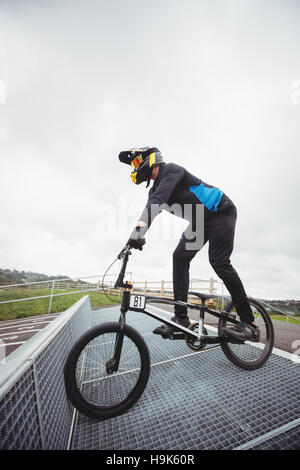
x=142 y=159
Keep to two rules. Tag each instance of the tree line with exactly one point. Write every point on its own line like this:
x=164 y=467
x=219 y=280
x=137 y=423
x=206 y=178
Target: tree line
x=8 y=276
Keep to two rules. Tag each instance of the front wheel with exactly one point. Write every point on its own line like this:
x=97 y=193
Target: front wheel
x=93 y=386
x=250 y=355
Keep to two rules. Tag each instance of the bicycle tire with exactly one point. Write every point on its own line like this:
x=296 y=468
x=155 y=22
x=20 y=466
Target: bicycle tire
x=80 y=389
x=250 y=355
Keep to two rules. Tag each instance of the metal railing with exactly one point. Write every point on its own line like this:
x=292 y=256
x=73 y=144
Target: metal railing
x=162 y=288
x=78 y=284
x=282 y=312
x=34 y=410
x=271 y=308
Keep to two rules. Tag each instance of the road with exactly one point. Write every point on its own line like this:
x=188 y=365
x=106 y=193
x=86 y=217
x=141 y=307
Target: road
x=287 y=336
x=14 y=333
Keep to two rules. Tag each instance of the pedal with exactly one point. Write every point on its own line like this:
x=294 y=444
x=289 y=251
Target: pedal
x=176 y=335
x=231 y=340
x=235 y=341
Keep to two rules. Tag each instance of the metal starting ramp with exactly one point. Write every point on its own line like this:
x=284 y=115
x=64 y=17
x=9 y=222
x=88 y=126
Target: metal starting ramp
x=199 y=401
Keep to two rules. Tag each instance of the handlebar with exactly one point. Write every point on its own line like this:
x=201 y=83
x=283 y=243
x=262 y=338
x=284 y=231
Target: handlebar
x=124 y=253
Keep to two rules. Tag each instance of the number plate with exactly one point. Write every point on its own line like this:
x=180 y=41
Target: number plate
x=137 y=302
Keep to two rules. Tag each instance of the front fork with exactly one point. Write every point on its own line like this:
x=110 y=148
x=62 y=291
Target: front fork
x=113 y=364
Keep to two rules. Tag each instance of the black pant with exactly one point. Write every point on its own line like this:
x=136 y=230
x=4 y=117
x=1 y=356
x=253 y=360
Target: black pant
x=219 y=232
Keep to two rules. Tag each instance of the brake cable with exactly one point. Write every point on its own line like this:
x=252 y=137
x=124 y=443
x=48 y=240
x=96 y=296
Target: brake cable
x=120 y=256
x=113 y=300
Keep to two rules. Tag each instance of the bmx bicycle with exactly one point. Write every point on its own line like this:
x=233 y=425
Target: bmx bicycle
x=108 y=367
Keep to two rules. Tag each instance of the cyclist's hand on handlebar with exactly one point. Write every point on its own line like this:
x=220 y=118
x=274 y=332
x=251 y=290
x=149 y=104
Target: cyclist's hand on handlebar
x=137 y=243
x=137 y=239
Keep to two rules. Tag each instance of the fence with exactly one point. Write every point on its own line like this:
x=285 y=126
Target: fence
x=78 y=286
x=34 y=410
x=165 y=288
x=161 y=288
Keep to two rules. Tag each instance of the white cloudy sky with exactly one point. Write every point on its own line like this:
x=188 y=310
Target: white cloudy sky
x=214 y=84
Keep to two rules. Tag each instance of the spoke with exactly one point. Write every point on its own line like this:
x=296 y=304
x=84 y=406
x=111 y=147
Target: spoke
x=96 y=374
x=112 y=376
x=130 y=350
x=96 y=386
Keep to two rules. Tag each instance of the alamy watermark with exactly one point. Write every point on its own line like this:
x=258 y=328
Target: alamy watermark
x=116 y=221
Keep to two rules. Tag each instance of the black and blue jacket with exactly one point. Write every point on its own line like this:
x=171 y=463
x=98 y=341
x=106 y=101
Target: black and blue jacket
x=175 y=185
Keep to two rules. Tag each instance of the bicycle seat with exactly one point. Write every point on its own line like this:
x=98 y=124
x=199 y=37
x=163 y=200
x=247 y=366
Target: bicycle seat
x=203 y=297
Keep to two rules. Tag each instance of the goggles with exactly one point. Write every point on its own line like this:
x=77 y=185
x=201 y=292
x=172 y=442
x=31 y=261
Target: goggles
x=137 y=161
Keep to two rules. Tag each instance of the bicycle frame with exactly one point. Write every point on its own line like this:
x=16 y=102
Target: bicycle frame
x=181 y=331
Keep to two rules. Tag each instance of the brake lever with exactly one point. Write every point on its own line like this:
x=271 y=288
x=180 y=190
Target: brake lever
x=123 y=251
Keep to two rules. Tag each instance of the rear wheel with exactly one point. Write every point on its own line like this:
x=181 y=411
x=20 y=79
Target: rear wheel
x=250 y=355
x=92 y=384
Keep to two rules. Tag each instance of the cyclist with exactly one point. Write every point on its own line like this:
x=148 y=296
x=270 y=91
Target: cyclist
x=174 y=185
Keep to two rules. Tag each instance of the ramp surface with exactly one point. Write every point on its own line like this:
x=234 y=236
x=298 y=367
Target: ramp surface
x=199 y=401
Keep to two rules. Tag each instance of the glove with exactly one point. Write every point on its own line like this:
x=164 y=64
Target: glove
x=137 y=239
x=136 y=243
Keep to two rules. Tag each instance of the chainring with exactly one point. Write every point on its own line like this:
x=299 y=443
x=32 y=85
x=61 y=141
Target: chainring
x=195 y=344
